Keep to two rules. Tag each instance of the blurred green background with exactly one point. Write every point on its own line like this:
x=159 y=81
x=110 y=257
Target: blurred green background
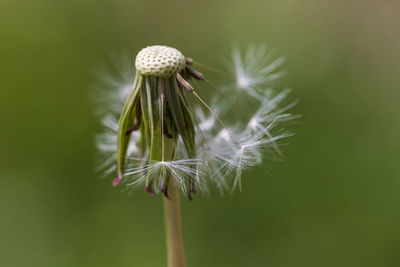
x=334 y=201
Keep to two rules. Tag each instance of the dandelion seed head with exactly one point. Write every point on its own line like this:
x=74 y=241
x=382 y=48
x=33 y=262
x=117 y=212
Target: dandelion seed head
x=160 y=128
x=159 y=61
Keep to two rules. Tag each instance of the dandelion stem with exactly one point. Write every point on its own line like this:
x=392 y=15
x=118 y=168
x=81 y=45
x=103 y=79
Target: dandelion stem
x=173 y=226
x=162 y=118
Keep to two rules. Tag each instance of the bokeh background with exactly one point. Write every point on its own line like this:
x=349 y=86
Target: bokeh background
x=334 y=201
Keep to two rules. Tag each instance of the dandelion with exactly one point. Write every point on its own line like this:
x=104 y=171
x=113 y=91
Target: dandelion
x=170 y=139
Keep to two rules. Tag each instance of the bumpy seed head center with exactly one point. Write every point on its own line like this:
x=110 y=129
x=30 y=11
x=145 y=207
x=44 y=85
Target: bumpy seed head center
x=159 y=61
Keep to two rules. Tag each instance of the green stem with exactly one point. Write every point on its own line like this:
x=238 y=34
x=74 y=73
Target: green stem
x=173 y=226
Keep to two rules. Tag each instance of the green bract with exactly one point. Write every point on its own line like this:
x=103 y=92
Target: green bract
x=156 y=107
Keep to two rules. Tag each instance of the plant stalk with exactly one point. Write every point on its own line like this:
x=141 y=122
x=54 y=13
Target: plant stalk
x=173 y=226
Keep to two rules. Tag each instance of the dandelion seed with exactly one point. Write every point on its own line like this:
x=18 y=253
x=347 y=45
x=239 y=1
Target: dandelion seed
x=270 y=111
x=111 y=92
x=256 y=70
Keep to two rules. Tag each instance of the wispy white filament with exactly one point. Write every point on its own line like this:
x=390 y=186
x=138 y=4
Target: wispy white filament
x=180 y=170
x=112 y=89
x=256 y=70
